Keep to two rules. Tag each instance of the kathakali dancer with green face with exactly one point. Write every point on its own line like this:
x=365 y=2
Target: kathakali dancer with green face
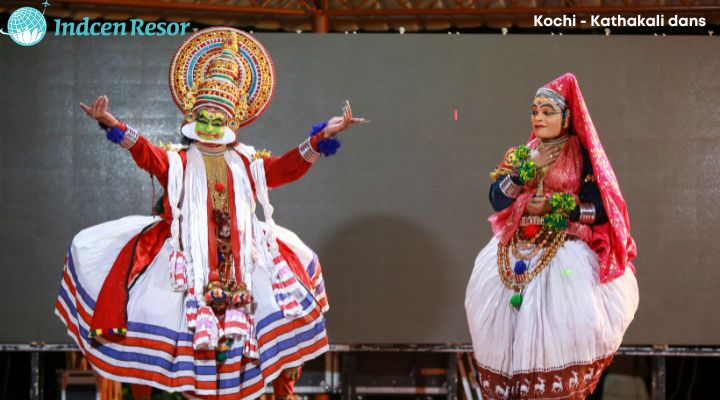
x=207 y=299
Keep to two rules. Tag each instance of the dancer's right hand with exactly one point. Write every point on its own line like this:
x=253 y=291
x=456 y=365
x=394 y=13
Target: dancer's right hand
x=99 y=112
x=545 y=155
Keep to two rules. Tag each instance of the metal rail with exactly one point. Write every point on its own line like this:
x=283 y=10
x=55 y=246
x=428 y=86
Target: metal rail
x=659 y=353
x=650 y=351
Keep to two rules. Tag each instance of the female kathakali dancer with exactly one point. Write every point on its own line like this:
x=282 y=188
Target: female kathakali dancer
x=206 y=299
x=553 y=292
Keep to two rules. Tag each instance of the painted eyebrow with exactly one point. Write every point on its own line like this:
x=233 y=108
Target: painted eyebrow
x=544 y=105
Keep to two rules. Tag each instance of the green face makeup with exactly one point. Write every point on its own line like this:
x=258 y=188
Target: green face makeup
x=209 y=125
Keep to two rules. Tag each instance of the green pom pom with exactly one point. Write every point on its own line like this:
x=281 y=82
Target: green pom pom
x=556 y=222
x=526 y=171
x=519 y=156
x=562 y=203
x=221 y=356
x=516 y=300
x=522 y=153
x=556 y=202
x=569 y=202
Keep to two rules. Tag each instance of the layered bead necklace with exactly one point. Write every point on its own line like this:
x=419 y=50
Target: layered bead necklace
x=517 y=277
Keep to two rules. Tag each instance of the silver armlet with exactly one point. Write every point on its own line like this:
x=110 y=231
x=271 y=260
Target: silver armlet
x=587 y=213
x=307 y=152
x=130 y=138
x=509 y=188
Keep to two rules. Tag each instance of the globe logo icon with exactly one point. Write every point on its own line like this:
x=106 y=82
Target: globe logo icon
x=26 y=26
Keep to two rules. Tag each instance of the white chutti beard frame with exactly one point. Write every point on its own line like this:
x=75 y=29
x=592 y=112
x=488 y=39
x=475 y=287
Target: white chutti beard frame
x=188 y=130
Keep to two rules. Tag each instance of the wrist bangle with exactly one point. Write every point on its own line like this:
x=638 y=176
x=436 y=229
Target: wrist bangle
x=307 y=152
x=509 y=188
x=587 y=213
x=129 y=138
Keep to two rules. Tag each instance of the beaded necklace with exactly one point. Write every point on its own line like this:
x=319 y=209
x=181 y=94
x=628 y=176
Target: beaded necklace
x=558 y=140
x=517 y=278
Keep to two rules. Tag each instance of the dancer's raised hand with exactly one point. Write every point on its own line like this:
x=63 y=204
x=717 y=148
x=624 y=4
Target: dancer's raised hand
x=98 y=111
x=338 y=124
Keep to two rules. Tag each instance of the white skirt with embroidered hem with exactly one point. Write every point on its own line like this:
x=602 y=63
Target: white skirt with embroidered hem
x=567 y=318
x=157 y=349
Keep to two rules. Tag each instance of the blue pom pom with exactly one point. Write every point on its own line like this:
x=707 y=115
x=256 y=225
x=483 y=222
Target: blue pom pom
x=115 y=135
x=317 y=128
x=520 y=267
x=328 y=147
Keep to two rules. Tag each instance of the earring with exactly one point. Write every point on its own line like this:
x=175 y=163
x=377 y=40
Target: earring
x=565 y=120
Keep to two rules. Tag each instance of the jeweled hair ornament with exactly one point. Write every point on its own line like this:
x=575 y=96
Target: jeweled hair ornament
x=550 y=94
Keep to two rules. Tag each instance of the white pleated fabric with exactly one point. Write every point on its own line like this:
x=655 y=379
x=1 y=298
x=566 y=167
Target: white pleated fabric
x=157 y=349
x=567 y=317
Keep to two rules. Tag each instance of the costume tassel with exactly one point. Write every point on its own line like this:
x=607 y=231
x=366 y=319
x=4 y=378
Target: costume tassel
x=178 y=274
x=250 y=348
x=236 y=323
x=191 y=308
x=288 y=292
x=207 y=330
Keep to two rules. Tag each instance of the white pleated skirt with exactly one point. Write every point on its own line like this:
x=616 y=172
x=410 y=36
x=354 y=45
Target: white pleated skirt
x=556 y=345
x=157 y=349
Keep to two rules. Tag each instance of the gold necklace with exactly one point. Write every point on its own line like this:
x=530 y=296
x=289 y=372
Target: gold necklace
x=534 y=248
x=517 y=278
x=216 y=172
x=555 y=141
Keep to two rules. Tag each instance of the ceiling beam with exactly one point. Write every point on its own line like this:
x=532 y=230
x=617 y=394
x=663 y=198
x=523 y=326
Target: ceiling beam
x=530 y=11
x=198 y=7
x=321 y=8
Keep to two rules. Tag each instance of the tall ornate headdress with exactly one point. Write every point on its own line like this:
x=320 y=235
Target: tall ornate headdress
x=223 y=70
x=611 y=241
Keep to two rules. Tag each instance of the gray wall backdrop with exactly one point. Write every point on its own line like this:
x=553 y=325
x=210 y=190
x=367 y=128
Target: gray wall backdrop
x=400 y=214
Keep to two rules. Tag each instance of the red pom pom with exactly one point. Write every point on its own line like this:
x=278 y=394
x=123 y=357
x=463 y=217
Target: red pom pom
x=529 y=231
x=219 y=186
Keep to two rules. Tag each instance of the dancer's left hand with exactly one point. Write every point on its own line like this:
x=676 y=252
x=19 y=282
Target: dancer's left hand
x=338 y=124
x=539 y=206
